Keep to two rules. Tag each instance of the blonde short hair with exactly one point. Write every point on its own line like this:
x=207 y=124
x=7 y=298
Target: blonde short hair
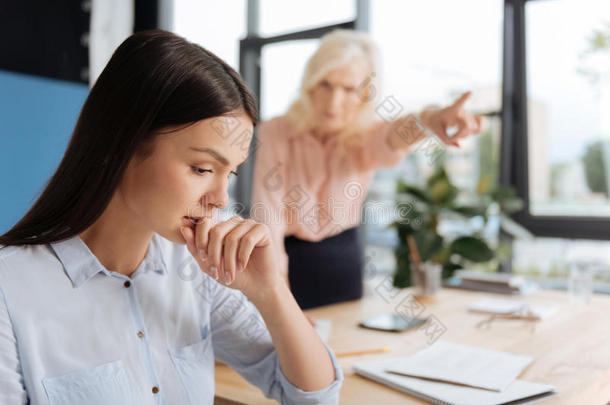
x=337 y=49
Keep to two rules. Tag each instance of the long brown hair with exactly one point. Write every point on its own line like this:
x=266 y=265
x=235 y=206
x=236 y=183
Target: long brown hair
x=155 y=79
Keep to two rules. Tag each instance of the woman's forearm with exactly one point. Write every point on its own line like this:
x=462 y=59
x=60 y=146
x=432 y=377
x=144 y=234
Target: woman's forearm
x=406 y=131
x=303 y=357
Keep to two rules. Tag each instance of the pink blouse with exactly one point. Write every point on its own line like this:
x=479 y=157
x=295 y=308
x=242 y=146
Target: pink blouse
x=310 y=189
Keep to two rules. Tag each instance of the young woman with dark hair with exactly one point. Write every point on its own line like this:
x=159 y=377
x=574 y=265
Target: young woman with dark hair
x=100 y=301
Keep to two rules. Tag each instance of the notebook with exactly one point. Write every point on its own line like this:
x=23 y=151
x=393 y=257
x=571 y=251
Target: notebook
x=499 y=283
x=518 y=392
x=463 y=364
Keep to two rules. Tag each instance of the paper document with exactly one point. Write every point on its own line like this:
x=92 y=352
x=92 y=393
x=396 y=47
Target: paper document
x=463 y=365
x=518 y=391
x=323 y=327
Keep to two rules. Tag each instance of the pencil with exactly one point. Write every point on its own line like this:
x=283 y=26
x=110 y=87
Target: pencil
x=361 y=352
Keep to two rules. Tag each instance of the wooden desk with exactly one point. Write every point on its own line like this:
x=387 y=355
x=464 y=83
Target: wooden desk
x=571 y=349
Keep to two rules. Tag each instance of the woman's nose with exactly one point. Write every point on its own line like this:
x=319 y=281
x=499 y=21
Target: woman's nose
x=336 y=98
x=218 y=196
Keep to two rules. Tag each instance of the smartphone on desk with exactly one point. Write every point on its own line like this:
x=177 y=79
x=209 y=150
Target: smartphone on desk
x=391 y=323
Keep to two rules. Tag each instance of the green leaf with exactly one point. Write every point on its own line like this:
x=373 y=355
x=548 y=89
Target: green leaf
x=449 y=269
x=439 y=174
x=512 y=205
x=484 y=184
x=470 y=211
x=502 y=192
x=442 y=191
x=410 y=217
x=403 y=188
x=440 y=188
x=428 y=243
x=506 y=197
x=472 y=248
x=402 y=275
x=444 y=256
x=402 y=230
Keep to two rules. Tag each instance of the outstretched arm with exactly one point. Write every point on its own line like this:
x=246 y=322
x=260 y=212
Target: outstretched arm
x=407 y=130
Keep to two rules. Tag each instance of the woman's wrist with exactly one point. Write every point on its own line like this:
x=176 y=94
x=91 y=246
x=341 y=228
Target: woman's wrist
x=406 y=131
x=426 y=114
x=270 y=295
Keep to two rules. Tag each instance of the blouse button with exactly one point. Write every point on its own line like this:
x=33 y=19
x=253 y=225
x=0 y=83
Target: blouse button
x=155 y=390
x=127 y=284
x=140 y=334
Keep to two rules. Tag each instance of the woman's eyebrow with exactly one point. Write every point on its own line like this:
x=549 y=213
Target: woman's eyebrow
x=214 y=154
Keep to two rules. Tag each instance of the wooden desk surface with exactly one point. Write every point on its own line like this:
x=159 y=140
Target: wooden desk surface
x=571 y=349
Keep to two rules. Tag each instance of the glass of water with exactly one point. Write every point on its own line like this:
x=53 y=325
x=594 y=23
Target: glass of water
x=580 y=283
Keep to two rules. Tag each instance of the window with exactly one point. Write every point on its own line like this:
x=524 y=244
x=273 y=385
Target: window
x=422 y=66
x=209 y=26
x=568 y=101
x=548 y=260
x=280 y=16
x=284 y=65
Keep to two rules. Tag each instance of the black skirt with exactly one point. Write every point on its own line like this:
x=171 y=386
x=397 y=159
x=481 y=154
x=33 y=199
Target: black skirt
x=327 y=271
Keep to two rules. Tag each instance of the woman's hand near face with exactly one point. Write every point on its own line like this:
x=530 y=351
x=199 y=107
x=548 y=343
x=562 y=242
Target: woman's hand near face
x=237 y=252
x=222 y=250
x=438 y=120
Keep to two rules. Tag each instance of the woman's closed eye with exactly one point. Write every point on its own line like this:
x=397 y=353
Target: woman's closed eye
x=200 y=171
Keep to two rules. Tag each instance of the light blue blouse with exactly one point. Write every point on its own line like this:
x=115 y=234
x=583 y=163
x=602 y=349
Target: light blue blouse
x=73 y=332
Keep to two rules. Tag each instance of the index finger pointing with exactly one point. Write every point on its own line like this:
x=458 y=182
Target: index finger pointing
x=459 y=103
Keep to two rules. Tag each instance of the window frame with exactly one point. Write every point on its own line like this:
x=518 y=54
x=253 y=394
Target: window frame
x=514 y=165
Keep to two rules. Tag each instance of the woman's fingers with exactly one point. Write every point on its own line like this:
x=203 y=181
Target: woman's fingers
x=456 y=115
x=216 y=240
x=202 y=228
x=257 y=234
x=463 y=128
x=446 y=139
x=231 y=262
x=468 y=124
x=459 y=103
x=226 y=247
x=189 y=236
x=238 y=245
x=479 y=121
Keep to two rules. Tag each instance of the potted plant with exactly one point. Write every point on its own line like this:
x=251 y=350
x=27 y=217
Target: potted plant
x=421 y=209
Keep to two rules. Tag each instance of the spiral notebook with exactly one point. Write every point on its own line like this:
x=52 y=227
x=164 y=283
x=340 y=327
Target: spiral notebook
x=517 y=392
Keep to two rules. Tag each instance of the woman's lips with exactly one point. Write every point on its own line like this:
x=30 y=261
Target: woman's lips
x=192 y=220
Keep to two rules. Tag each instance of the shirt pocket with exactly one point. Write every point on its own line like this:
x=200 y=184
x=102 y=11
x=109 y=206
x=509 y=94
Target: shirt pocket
x=106 y=384
x=194 y=364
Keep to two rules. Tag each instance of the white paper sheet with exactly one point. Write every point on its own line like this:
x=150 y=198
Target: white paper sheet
x=323 y=327
x=464 y=365
x=524 y=392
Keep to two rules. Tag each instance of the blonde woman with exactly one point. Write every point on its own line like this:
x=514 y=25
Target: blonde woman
x=314 y=165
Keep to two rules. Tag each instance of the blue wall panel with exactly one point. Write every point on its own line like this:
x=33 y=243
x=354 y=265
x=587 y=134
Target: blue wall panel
x=37 y=116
